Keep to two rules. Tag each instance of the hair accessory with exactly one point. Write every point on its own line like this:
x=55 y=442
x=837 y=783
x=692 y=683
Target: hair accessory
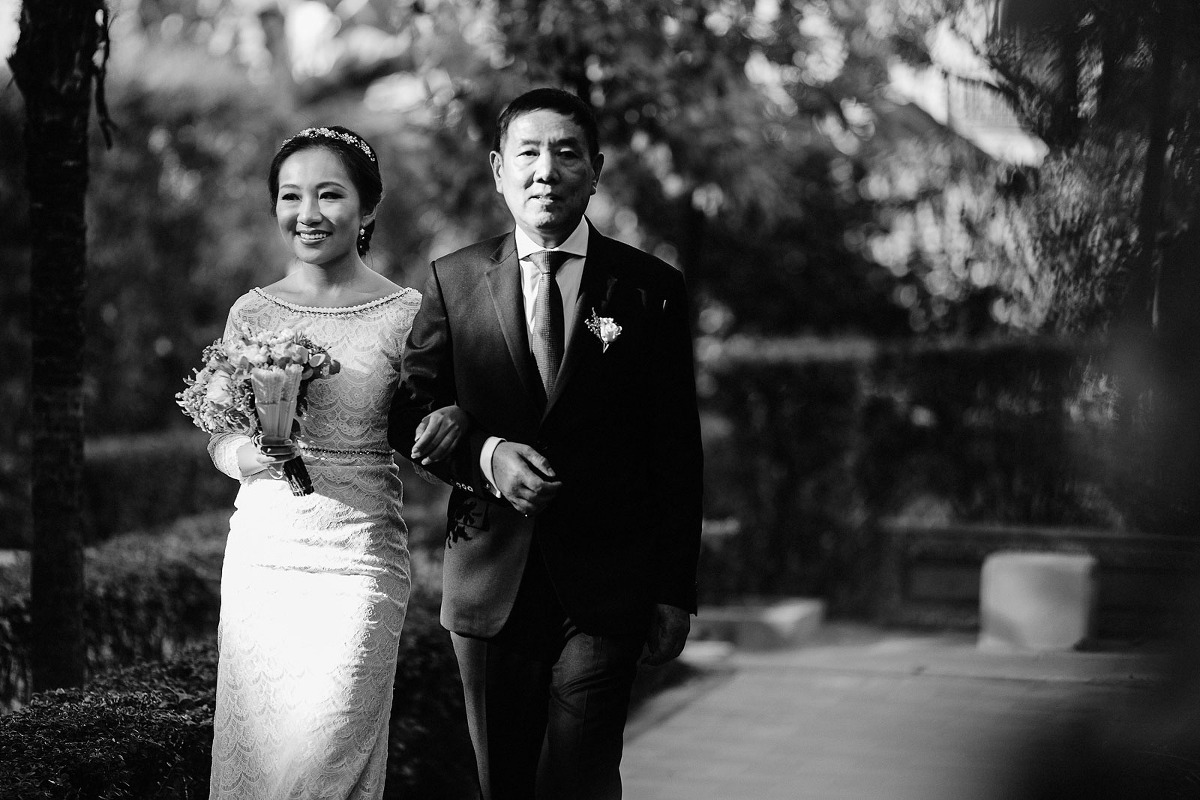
x=326 y=133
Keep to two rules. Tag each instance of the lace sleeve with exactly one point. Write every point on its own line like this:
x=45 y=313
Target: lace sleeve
x=223 y=447
x=403 y=326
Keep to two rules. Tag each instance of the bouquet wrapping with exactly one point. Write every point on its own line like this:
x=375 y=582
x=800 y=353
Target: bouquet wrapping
x=256 y=383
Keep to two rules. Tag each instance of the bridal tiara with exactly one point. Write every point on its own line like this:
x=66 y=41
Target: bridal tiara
x=326 y=133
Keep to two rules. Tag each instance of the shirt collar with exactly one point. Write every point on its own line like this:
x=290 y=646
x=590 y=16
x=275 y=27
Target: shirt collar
x=576 y=244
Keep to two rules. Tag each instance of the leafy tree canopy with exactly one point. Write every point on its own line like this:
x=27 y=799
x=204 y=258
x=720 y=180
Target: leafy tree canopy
x=758 y=146
x=1081 y=74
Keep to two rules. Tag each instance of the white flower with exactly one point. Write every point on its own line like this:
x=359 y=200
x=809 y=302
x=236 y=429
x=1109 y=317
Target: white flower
x=604 y=328
x=219 y=391
x=288 y=352
x=254 y=355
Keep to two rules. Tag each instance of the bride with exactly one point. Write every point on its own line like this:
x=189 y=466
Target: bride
x=314 y=589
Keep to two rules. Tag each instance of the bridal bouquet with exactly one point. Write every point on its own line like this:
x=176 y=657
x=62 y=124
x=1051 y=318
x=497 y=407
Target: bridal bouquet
x=256 y=383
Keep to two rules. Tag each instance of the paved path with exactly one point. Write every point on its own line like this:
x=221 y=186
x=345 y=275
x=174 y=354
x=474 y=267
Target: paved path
x=859 y=714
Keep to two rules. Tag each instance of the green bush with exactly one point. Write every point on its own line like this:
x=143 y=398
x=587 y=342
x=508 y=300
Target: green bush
x=138 y=483
x=988 y=430
x=147 y=597
x=809 y=442
x=146 y=731
x=143 y=732
x=429 y=752
x=117 y=471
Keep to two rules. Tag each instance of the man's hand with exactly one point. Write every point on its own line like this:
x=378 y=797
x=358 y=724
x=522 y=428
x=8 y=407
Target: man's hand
x=668 y=633
x=439 y=433
x=524 y=477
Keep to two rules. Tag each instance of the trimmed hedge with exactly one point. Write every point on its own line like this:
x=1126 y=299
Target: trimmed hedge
x=146 y=731
x=186 y=483
x=134 y=483
x=138 y=483
x=429 y=751
x=148 y=596
x=809 y=442
x=147 y=482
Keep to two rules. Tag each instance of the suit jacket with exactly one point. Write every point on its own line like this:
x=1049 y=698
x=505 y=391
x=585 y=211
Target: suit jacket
x=621 y=431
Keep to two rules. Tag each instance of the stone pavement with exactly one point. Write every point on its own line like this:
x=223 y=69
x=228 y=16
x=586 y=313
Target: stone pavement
x=862 y=714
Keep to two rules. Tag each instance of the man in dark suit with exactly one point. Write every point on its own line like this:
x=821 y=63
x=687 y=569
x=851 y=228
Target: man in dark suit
x=574 y=521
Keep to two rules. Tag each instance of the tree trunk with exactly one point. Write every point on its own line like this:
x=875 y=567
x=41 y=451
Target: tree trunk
x=1162 y=84
x=1152 y=414
x=54 y=66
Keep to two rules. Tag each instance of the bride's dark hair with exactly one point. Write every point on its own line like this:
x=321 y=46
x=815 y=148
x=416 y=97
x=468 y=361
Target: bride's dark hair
x=356 y=155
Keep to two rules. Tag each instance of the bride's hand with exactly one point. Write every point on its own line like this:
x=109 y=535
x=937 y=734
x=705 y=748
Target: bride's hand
x=439 y=433
x=256 y=456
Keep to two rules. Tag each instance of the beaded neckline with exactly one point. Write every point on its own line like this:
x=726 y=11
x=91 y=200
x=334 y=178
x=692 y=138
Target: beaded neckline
x=331 y=309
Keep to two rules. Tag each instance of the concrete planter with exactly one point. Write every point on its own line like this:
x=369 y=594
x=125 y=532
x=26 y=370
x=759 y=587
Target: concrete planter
x=765 y=625
x=931 y=574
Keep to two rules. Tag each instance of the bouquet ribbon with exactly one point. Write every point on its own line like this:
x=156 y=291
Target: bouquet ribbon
x=276 y=391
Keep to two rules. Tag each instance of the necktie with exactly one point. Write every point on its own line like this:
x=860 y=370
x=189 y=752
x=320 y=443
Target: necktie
x=548 y=317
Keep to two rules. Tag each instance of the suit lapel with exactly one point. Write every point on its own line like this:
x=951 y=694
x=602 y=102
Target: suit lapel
x=504 y=283
x=595 y=286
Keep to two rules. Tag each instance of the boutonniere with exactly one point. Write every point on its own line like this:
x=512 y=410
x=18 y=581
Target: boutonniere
x=604 y=329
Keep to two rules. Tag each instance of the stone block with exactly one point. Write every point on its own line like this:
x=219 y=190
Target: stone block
x=706 y=654
x=760 y=626
x=1037 y=601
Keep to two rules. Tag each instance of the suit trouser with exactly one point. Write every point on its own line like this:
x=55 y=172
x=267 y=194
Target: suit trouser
x=546 y=702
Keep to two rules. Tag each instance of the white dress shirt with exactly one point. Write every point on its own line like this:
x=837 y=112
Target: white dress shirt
x=568 y=277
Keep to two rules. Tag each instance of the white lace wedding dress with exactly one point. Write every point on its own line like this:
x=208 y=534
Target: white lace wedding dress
x=314 y=589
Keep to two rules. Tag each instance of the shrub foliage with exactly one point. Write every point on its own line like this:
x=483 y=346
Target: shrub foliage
x=809 y=443
x=146 y=731
x=148 y=596
x=142 y=728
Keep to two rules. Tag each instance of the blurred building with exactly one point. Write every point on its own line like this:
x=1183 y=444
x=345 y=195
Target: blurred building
x=957 y=89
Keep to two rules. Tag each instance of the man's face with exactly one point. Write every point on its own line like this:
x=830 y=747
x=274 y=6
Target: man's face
x=545 y=174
